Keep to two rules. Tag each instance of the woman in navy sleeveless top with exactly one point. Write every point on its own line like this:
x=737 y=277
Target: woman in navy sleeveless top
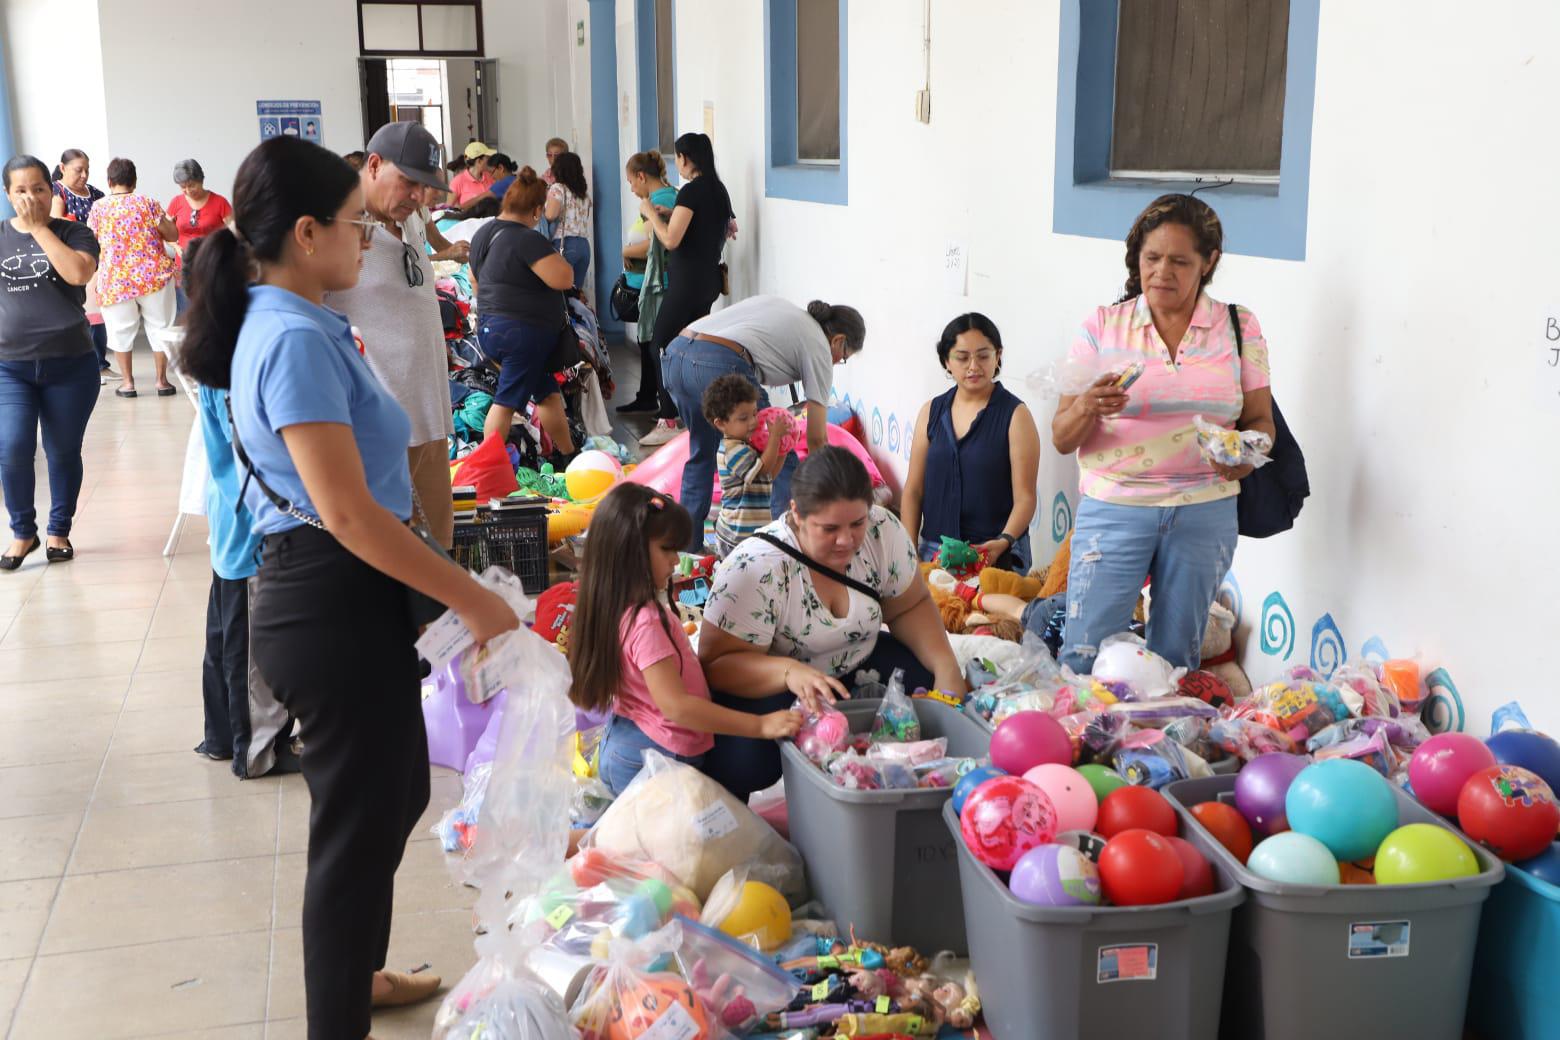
x=976 y=452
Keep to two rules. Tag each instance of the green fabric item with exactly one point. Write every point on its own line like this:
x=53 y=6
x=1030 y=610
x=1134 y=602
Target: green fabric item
x=472 y=413
x=654 y=289
x=546 y=483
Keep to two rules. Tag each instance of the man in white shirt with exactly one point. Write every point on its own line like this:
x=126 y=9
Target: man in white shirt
x=396 y=310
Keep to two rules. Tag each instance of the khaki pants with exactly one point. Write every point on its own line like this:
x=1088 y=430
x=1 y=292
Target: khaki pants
x=430 y=466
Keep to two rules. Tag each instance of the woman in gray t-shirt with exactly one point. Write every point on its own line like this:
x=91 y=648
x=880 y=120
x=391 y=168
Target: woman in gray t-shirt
x=48 y=369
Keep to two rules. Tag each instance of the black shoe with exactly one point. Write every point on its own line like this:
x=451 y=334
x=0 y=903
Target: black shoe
x=287 y=763
x=639 y=406
x=11 y=563
x=65 y=555
x=204 y=752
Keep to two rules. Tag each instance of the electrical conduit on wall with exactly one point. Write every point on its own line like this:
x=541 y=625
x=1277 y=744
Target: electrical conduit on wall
x=7 y=143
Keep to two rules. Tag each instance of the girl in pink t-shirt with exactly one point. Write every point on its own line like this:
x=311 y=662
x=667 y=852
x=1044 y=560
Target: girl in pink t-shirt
x=627 y=648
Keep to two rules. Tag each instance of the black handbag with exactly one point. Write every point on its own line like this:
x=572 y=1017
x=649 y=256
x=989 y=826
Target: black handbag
x=425 y=610
x=624 y=300
x=566 y=353
x=1271 y=497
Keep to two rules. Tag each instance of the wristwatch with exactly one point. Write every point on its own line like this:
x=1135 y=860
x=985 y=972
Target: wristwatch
x=1007 y=538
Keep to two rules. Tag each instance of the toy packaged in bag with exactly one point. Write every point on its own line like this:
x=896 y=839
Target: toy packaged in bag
x=1125 y=659
x=674 y=815
x=824 y=734
x=1148 y=758
x=1246 y=738
x=599 y=898
x=914 y=753
x=1157 y=714
x=457 y=829
x=1297 y=709
x=737 y=984
x=896 y=718
x=1359 y=681
x=1374 y=749
x=494 y=1001
x=637 y=996
x=857 y=772
x=1232 y=447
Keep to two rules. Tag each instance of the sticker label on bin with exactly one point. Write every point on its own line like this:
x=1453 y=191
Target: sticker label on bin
x=1128 y=962
x=1368 y=939
x=715 y=822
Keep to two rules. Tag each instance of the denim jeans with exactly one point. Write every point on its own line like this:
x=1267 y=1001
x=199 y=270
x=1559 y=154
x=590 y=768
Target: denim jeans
x=576 y=251
x=1184 y=551
x=623 y=750
x=59 y=395
x=689 y=367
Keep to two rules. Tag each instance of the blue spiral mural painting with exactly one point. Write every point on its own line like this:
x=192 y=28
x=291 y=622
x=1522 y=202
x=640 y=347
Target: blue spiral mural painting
x=877 y=426
x=1375 y=651
x=834 y=395
x=1277 y=625
x=893 y=433
x=848 y=406
x=1061 y=517
x=1229 y=595
x=1443 y=708
x=1328 y=649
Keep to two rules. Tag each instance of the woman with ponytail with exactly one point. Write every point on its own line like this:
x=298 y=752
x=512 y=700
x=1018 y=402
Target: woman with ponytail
x=323 y=447
x=647 y=180
x=770 y=342
x=694 y=232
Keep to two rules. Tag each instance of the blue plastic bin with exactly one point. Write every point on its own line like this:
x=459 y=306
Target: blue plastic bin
x=1515 y=995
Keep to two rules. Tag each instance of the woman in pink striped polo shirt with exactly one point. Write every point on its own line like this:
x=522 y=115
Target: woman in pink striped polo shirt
x=1152 y=507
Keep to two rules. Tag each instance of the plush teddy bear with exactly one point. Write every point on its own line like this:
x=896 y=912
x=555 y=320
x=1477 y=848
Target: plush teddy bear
x=1218 y=651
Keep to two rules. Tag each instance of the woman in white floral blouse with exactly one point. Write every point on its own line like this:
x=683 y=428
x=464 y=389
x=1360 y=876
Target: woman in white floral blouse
x=781 y=625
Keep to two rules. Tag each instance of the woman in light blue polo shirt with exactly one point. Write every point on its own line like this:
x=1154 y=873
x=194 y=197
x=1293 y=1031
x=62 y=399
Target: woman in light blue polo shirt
x=332 y=628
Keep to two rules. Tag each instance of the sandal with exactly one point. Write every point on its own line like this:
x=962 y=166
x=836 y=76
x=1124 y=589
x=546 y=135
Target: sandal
x=167 y=391
x=11 y=563
x=407 y=988
x=57 y=555
x=122 y=392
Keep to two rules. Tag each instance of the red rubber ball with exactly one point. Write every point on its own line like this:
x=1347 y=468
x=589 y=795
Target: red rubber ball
x=1141 y=868
x=1509 y=810
x=1135 y=807
x=1199 y=872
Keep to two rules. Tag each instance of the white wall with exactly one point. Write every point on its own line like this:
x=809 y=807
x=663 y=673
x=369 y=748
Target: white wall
x=460 y=99
x=57 y=104
x=533 y=41
x=1404 y=348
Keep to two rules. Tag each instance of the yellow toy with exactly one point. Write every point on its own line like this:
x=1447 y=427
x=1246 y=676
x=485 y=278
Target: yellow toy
x=762 y=913
x=1007 y=583
x=591 y=475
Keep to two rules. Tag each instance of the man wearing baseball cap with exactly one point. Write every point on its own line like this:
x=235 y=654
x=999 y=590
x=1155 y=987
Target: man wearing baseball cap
x=476 y=178
x=396 y=310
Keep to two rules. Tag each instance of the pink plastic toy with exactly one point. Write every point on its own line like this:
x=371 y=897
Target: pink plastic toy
x=663 y=471
x=795 y=438
x=822 y=734
x=1076 y=806
x=1028 y=739
x=1442 y=765
x=1004 y=818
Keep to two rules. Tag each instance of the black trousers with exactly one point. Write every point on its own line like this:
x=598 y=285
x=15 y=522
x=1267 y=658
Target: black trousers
x=743 y=765
x=224 y=672
x=687 y=300
x=333 y=637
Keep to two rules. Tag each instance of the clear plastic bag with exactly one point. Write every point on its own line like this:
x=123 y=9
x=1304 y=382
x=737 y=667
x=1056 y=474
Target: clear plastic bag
x=1072 y=376
x=739 y=985
x=824 y=733
x=1150 y=759
x=1232 y=447
x=896 y=718
x=911 y=754
x=674 y=815
x=636 y=995
x=1297 y=709
x=457 y=828
x=1246 y=738
x=590 y=800
x=1125 y=658
x=1360 y=681
x=857 y=772
x=598 y=898
x=495 y=1001
x=1157 y=714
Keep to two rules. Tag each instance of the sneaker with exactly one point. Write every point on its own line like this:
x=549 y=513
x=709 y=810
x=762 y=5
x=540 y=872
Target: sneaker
x=663 y=431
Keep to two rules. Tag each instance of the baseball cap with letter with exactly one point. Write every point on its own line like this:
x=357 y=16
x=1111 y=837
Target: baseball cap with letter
x=412 y=150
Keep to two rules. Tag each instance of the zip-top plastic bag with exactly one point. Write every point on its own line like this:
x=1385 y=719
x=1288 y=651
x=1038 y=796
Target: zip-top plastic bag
x=1232 y=447
x=638 y=995
x=495 y=1001
x=896 y=719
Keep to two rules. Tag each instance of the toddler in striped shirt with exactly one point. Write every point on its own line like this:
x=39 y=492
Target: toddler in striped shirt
x=730 y=405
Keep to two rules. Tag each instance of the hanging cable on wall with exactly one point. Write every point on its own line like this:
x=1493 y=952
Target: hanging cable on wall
x=923 y=97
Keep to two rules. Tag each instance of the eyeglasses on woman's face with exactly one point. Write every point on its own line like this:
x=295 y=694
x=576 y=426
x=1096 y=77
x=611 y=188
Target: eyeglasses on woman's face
x=365 y=224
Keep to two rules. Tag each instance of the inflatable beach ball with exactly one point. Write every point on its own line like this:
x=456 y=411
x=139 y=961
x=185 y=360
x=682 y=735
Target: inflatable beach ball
x=591 y=475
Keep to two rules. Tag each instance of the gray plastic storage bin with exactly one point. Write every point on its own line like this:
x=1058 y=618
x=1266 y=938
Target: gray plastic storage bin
x=1077 y=973
x=1295 y=974
x=880 y=860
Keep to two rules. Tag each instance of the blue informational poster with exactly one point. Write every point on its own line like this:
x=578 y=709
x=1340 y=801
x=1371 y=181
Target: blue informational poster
x=292 y=118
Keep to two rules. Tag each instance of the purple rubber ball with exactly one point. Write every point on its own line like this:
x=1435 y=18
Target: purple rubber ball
x=1260 y=789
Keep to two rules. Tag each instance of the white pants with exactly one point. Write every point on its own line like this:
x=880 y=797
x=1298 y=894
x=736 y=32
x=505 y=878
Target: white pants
x=122 y=320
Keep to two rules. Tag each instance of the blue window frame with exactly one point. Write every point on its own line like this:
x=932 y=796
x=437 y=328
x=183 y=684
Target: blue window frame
x=1259 y=219
x=657 y=60
x=787 y=176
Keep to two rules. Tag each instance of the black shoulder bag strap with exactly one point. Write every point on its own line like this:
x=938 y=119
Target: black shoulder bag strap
x=817 y=568
x=250 y=473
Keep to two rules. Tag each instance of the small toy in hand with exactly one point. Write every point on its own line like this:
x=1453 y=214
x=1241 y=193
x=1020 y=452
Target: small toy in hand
x=823 y=734
x=959 y=558
x=795 y=435
x=1232 y=447
x=1129 y=375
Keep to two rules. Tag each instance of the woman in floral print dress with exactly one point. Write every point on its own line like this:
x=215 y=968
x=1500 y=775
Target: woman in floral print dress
x=780 y=625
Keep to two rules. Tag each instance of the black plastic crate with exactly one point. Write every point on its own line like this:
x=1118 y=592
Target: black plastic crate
x=512 y=536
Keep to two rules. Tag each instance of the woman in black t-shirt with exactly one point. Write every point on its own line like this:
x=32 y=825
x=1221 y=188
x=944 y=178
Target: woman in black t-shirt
x=48 y=370
x=693 y=234
x=521 y=315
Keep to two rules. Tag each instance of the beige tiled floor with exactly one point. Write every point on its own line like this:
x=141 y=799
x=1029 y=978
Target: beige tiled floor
x=145 y=892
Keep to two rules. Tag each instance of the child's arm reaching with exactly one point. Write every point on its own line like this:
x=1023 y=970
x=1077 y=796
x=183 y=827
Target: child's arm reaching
x=772 y=459
x=703 y=716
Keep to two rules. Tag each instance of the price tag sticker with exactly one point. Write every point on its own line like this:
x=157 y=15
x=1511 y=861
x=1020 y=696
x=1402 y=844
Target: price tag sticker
x=820 y=992
x=560 y=917
x=883 y=1004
